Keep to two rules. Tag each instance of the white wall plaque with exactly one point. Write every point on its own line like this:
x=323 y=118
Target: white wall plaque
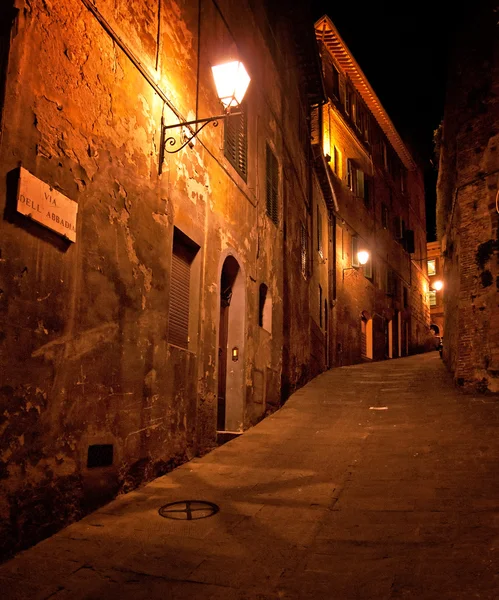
x=38 y=201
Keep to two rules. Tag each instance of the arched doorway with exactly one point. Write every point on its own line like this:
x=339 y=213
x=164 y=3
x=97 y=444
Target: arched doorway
x=435 y=329
x=230 y=407
x=366 y=335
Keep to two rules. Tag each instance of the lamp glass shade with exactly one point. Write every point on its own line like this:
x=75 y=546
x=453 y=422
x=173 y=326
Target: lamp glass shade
x=231 y=81
x=438 y=285
x=363 y=256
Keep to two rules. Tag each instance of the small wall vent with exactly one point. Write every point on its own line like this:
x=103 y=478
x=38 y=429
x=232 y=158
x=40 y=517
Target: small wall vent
x=100 y=455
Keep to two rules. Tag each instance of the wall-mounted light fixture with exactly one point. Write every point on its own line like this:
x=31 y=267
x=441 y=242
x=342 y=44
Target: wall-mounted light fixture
x=362 y=258
x=235 y=354
x=231 y=82
x=437 y=285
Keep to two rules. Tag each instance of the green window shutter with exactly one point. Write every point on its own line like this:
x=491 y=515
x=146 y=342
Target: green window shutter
x=236 y=142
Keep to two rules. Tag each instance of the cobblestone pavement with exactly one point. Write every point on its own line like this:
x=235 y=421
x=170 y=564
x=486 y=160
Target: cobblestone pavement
x=374 y=481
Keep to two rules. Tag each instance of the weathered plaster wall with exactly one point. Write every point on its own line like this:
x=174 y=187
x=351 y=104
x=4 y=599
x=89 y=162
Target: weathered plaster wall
x=85 y=357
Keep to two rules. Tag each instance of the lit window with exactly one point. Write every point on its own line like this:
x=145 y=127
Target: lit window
x=336 y=161
x=432 y=296
x=432 y=267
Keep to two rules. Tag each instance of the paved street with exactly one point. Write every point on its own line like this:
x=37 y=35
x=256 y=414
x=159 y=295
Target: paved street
x=374 y=481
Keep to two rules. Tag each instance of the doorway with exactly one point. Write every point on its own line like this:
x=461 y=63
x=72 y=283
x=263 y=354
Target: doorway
x=230 y=405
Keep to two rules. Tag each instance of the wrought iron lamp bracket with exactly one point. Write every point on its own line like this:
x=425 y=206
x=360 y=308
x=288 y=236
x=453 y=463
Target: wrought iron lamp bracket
x=174 y=143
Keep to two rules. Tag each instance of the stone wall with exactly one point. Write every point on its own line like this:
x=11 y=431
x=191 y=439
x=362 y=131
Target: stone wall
x=87 y=365
x=467 y=209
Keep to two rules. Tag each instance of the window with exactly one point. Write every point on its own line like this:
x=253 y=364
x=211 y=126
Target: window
x=348 y=100
x=236 y=142
x=272 y=187
x=265 y=309
x=432 y=297
x=320 y=306
x=398 y=227
x=319 y=232
x=303 y=249
x=355 y=251
x=184 y=251
x=385 y=155
x=350 y=174
x=367 y=128
x=359 y=118
x=384 y=216
x=432 y=267
x=336 y=161
x=391 y=283
x=332 y=81
x=368 y=269
x=359 y=183
x=336 y=83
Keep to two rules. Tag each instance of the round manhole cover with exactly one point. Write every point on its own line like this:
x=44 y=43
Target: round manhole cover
x=188 y=510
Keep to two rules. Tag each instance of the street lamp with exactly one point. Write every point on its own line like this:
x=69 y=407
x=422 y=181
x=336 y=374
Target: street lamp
x=437 y=285
x=362 y=258
x=231 y=82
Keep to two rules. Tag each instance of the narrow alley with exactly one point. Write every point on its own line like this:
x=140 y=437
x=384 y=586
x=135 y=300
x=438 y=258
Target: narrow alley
x=373 y=481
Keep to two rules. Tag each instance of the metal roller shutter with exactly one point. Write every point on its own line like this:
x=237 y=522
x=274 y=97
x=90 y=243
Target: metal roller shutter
x=179 y=299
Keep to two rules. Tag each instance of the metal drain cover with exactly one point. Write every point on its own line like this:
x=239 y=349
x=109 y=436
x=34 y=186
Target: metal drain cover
x=188 y=510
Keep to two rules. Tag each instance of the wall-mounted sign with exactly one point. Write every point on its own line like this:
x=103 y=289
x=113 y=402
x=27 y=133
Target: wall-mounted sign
x=38 y=201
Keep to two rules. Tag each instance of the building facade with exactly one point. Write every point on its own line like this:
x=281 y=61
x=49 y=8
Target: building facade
x=152 y=300
x=467 y=202
x=155 y=318
x=375 y=196
x=435 y=267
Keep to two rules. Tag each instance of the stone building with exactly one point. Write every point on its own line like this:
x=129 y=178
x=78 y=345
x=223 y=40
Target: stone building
x=467 y=201
x=135 y=329
x=435 y=266
x=375 y=195
x=154 y=300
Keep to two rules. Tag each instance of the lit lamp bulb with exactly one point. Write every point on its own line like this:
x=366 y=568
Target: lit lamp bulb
x=438 y=285
x=231 y=81
x=362 y=257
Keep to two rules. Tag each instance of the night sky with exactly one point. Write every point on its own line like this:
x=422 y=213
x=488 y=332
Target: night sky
x=402 y=49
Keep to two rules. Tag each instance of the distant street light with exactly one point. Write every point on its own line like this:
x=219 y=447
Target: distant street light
x=362 y=256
